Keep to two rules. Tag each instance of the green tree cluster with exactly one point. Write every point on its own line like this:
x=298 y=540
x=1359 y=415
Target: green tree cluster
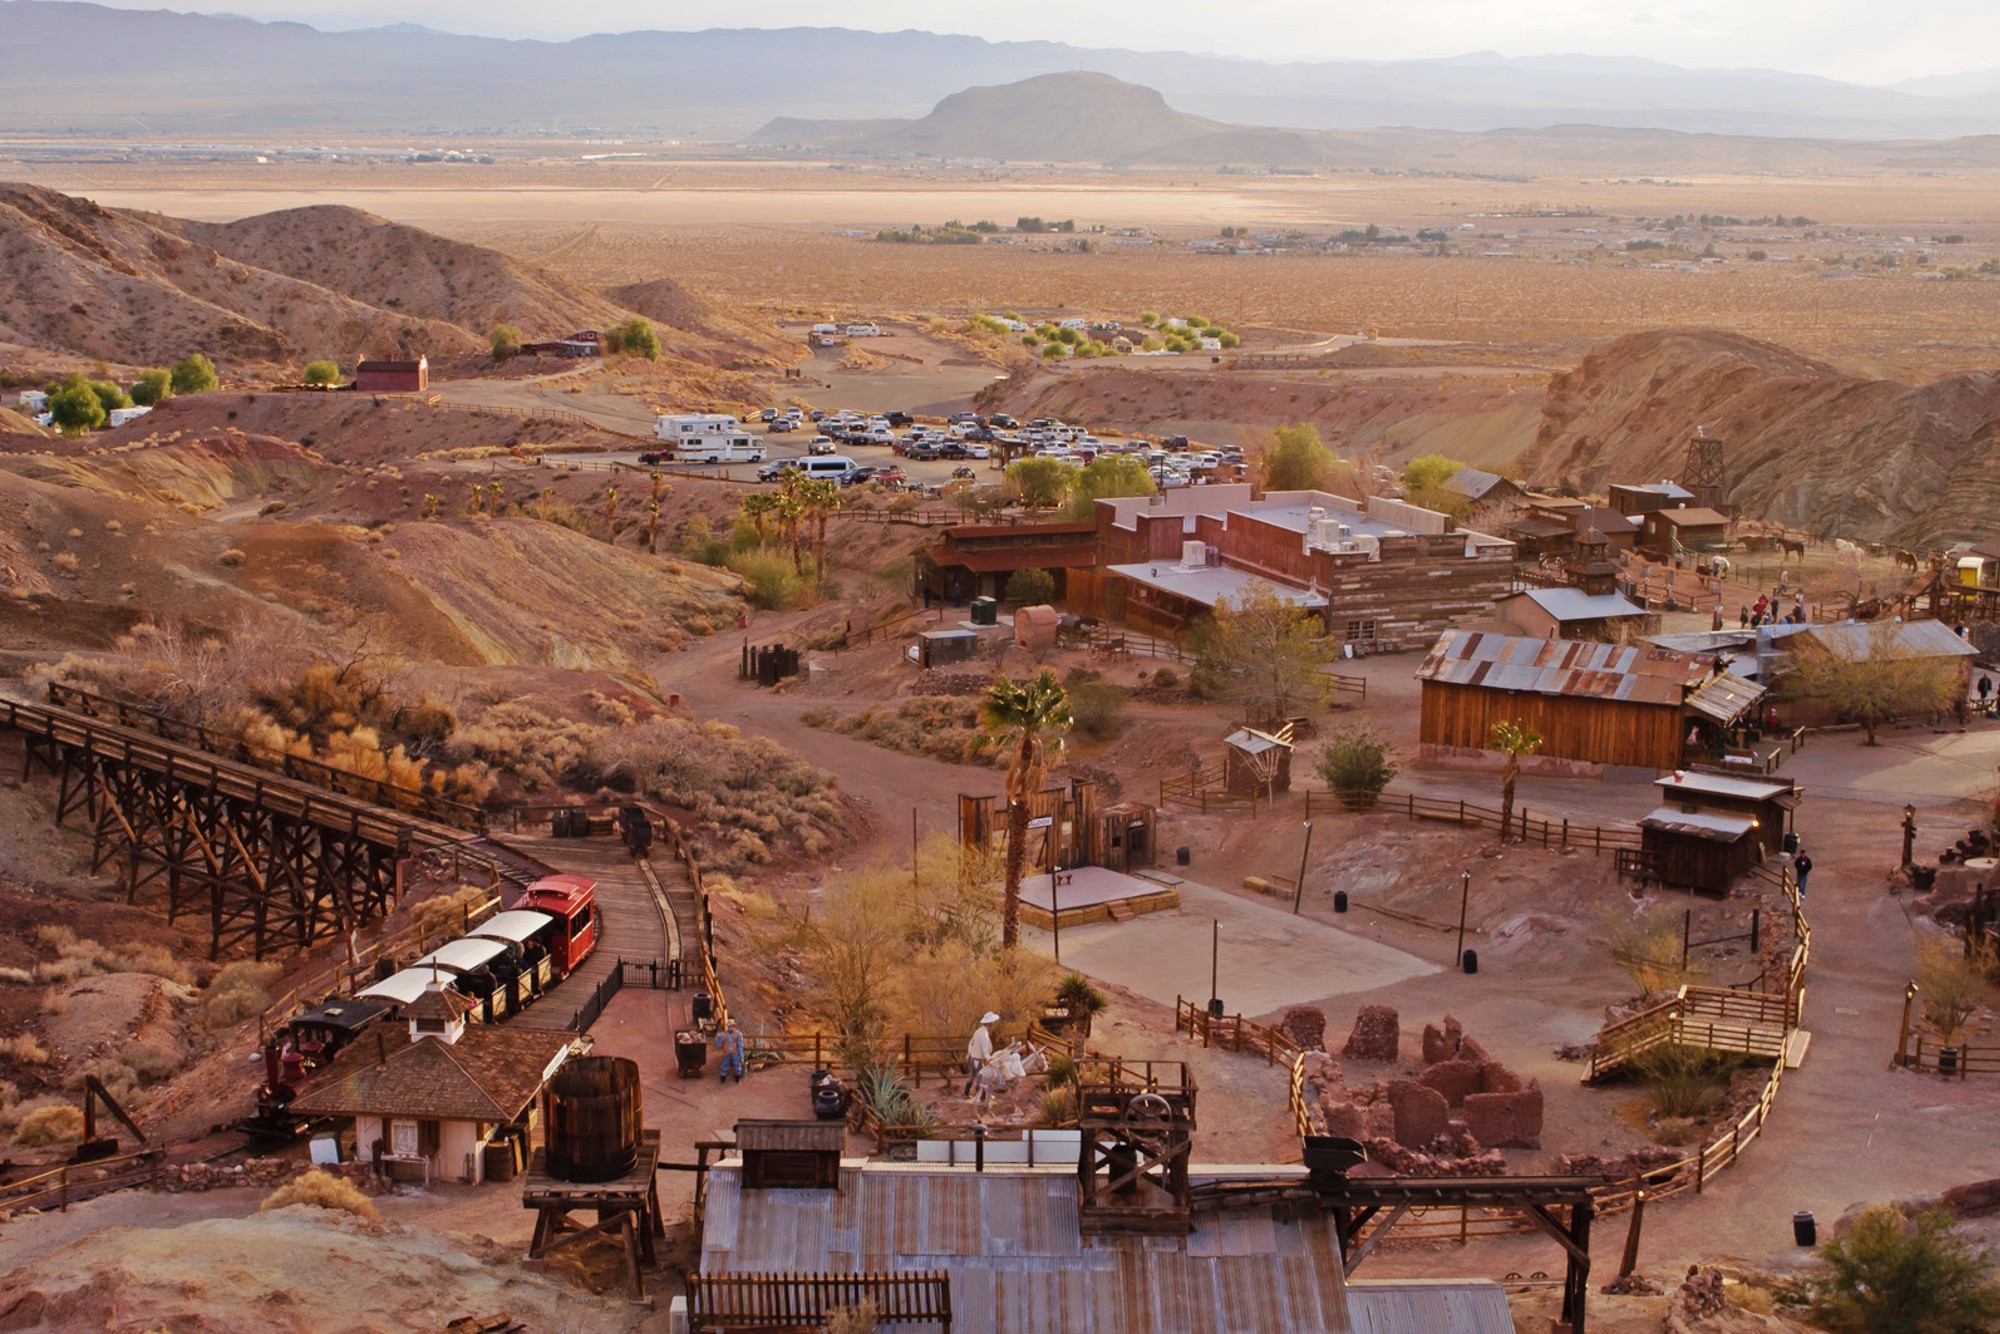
x=195 y=375
x=1107 y=478
x=635 y=338
x=1262 y=653
x=1294 y=458
x=322 y=372
x=154 y=385
x=1041 y=483
x=505 y=341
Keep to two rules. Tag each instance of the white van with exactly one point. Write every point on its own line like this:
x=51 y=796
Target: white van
x=831 y=467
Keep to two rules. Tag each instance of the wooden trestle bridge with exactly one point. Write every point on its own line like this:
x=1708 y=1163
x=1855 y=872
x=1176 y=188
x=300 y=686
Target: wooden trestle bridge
x=278 y=858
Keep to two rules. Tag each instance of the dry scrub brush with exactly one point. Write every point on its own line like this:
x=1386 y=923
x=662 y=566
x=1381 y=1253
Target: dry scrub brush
x=943 y=727
x=886 y=951
x=322 y=1190
x=749 y=790
x=78 y=957
x=1648 y=947
x=238 y=992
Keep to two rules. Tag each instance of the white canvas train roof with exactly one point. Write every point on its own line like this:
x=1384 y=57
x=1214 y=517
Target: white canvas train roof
x=514 y=926
x=464 y=955
x=402 y=988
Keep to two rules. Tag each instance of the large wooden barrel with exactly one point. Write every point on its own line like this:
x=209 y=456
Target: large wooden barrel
x=594 y=1119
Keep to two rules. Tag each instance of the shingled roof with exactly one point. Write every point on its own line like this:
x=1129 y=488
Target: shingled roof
x=489 y=1074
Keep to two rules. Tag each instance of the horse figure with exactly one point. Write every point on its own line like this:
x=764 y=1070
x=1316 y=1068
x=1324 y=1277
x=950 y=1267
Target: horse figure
x=1793 y=546
x=1906 y=560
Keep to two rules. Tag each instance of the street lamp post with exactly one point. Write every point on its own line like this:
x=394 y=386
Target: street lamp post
x=1299 y=892
x=1055 y=910
x=1909 y=833
x=1464 y=899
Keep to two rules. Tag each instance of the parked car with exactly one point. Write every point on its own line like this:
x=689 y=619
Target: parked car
x=820 y=444
x=921 y=452
x=892 y=476
x=1002 y=421
x=817 y=414
x=783 y=424
x=898 y=418
x=972 y=449
x=856 y=476
x=657 y=456
x=769 y=414
x=771 y=472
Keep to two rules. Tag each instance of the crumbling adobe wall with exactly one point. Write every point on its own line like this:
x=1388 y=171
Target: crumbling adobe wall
x=1408 y=1124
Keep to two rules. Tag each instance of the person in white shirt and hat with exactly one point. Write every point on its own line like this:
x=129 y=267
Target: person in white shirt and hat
x=980 y=1050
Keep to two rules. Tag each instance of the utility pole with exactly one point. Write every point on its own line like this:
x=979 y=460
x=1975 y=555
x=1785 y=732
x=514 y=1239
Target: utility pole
x=1299 y=892
x=1464 y=898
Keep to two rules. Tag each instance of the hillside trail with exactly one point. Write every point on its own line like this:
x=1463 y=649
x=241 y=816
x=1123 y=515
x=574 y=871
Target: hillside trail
x=883 y=786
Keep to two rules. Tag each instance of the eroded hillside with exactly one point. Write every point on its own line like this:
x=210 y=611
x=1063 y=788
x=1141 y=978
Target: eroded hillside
x=1807 y=444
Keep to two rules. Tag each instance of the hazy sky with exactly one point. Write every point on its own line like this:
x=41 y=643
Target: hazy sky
x=1862 y=40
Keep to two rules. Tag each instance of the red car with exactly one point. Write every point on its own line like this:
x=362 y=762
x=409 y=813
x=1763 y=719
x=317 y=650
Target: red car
x=891 y=476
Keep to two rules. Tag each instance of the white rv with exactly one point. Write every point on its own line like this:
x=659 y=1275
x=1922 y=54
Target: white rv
x=708 y=437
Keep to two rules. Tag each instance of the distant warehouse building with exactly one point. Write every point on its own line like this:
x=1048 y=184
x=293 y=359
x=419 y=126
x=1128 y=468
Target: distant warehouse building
x=393 y=377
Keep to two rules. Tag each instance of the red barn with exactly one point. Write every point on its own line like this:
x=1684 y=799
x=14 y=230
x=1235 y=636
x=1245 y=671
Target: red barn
x=393 y=377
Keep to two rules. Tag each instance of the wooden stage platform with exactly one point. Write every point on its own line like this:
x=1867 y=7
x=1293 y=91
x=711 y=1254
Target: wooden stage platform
x=1091 y=894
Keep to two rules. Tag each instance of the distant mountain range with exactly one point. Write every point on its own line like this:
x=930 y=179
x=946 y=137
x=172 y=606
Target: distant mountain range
x=157 y=73
x=1095 y=118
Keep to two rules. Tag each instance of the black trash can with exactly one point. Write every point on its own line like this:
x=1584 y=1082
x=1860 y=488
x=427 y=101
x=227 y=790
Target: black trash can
x=1182 y=855
x=1215 y=1007
x=1471 y=961
x=1340 y=900
x=1791 y=842
x=704 y=1007
x=1805 y=1232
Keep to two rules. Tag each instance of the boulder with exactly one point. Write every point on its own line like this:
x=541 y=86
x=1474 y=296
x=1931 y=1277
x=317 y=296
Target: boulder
x=1421 y=1113
x=1506 y=1120
x=1377 y=1035
x=1306 y=1026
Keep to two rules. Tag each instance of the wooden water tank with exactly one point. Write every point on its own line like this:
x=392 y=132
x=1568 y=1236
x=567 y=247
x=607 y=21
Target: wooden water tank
x=594 y=1119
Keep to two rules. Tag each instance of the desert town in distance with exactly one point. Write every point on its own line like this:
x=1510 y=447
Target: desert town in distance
x=995 y=700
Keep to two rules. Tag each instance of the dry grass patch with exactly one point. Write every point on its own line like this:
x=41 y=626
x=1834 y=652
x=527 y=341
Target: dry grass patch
x=322 y=1190
x=943 y=727
x=56 y=1123
x=238 y=992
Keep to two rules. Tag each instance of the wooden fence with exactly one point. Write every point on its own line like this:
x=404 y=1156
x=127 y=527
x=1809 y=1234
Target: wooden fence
x=62 y=1186
x=1548 y=831
x=1203 y=789
x=790 y=1301
x=1925 y=1050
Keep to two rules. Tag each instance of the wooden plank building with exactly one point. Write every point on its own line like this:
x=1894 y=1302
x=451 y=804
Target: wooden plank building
x=1609 y=704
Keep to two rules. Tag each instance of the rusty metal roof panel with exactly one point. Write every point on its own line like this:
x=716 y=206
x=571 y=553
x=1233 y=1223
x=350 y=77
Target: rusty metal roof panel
x=1559 y=667
x=1400 y=1307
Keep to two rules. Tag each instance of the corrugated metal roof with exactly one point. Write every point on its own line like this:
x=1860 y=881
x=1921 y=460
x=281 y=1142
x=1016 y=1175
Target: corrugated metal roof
x=1725 y=697
x=1011 y=1242
x=1573 y=604
x=1576 y=668
x=1856 y=641
x=1722 y=785
x=1409 y=1306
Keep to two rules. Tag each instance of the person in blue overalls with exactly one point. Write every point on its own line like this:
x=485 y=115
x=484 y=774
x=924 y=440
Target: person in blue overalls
x=730 y=1043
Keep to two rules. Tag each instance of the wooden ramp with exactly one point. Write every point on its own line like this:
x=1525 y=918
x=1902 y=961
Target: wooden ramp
x=1743 y=1022
x=629 y=924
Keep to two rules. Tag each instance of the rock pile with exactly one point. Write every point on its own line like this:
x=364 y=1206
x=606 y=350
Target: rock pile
x=1461 y=1107
x=261 y=1173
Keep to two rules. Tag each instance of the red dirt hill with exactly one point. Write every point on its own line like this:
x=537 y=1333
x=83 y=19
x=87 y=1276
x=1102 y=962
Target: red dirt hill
x=124 y=287
x=1808 y=444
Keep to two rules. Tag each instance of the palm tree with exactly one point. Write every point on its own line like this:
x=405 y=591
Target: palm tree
x=757 y=507
x=822 y=497
x=1513 y=741
x=1029 y=720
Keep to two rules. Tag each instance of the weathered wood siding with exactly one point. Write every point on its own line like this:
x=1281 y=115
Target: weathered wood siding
x=1599 y=731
